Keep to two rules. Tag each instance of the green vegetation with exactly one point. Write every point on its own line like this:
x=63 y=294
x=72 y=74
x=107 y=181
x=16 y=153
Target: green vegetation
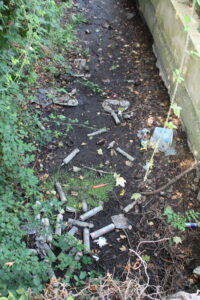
x=92 y=86
x=30 y=30
x=178 y=220
x=79 y=187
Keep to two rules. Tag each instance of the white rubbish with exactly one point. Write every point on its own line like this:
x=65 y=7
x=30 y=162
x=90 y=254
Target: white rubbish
x=196 y=271
x=143 y=135
x=102 y=231
x=103 y=130
x=129 y=206
x=33 y=251
x=70 y=209
x=65 y=100
x=73 y=230
x=46 y=225
x=111 y=145
x=80 y=223
x=61 y=192
x=84 y=206
x=162 y=138
x=131 y=158
x=90 y=213
x=121 y=222
x=71 y=156
x=76 y=169
x=80 y=63
x=110 y=105
x=59 y=221
x=183 y=296
x=115 y=117
x=101 y=241
x=86 y=239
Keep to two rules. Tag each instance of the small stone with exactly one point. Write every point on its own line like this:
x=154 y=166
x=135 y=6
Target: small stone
x=196 y=271
x=130 y=16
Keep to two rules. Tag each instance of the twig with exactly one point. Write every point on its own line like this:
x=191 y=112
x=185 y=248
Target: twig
x=99 y=171
x=172 y=181
x=145 y=270
x=151 y=242
x=127 y=238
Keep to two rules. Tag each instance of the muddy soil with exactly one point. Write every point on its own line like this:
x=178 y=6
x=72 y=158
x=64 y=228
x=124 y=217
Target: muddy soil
x=122 y=63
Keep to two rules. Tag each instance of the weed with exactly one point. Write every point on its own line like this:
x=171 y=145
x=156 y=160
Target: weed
x=92 y=86
x=79 y=187
x=177 y=220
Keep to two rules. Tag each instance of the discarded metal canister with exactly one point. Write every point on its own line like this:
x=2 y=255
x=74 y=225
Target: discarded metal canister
x=192 y=225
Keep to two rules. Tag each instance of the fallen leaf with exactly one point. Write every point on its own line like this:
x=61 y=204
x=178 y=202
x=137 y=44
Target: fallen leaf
x=123 y=248
x=100 y=151
x=122 y=236
x=10 y=264
x=73 y=193
x=120 y=181
x=128 y=163
x=136 y=196
x=101 y=241
x=177 y=240
x=122 y=192
x=113 y=152
x=150 y=121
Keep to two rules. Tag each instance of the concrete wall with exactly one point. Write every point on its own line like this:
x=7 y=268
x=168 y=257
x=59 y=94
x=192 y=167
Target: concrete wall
x=165 y=19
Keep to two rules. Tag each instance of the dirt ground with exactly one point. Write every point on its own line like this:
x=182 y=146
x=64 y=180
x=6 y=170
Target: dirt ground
x=121 y=62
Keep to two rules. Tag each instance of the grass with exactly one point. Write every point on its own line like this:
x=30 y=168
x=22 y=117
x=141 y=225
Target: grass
x=78 y=187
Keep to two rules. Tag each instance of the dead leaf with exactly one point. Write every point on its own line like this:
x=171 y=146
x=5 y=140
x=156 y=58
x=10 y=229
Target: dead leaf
x=122 y=192
x=113 y=152
x=123 y=248
x=100 y=151
x=150 y=121
x=120 y=181
x=73 y=193
x=10 y=264
x=122 y=236
x=128 y=163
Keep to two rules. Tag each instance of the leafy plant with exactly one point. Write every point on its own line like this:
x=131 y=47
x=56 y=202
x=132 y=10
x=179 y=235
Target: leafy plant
x=178 y=220
x=93 y=86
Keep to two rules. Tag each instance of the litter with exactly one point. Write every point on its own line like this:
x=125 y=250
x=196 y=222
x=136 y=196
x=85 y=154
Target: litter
x=73 y=230
x=102 y=231
x=121 y=222
x=80 y=63
x=90 y=213
x=129 y=206
x=103 y=130
x=112 y=106
x=59 y=220
x=80 y=223
x=71 y=156
x=131 y=158
x=46 y=225
x=192 y=225
x=65 y=100
x=84 y=206
x=101 y=241
x=143 y=135
x=111 y=145
x=86 y=239
x=61 y=192
x=98 y=186
x=162 y=138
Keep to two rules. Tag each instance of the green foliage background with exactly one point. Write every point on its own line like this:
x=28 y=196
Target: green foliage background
x=26 y=27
